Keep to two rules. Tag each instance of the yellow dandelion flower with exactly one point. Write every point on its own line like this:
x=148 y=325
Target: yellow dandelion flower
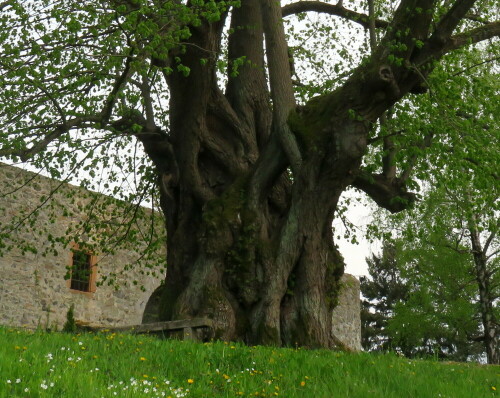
x=493 y=388
x=302 y=383
x=145 y=376
x=142 y=359
x=190 y=381
x=226 y=376
x=17 y=347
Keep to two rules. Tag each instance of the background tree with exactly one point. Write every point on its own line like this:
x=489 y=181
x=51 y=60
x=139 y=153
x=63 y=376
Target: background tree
x=381 y=292
x=449 y=242
x=450 y=261
x=422 y=301
x=249 y=173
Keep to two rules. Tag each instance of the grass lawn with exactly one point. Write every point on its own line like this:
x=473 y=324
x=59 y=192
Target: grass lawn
x=39 y=364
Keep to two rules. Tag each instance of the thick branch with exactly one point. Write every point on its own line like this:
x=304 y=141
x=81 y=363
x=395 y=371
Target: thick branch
x=451 y=19
x=433 y=50
x=331 y=9
x=280 y=80
x=389 y=194
x=482 y=33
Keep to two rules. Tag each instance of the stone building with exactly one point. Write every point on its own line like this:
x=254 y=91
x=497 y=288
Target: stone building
x=43 y=271
x=105 y=288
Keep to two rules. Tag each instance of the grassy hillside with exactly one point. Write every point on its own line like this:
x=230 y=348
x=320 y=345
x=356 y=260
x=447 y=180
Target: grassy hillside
x=38 y=364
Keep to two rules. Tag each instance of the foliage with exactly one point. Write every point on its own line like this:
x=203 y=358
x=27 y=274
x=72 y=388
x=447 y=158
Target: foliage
x=45 y=365
x=427 y=307
x=451 y=236
x=382 y=291
x=450 y=284
x=70 y=324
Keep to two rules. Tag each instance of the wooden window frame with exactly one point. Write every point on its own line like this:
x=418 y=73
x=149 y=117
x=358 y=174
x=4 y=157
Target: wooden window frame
x=93 y=271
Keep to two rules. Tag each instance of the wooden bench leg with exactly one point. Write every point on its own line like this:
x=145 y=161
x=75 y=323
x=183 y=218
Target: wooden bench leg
x=188 y=334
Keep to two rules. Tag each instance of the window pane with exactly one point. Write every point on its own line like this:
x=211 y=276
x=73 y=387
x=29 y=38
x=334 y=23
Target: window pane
x=80 y=271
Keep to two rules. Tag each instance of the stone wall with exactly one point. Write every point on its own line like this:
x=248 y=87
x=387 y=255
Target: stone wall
x=346 y=317
x=33 y=288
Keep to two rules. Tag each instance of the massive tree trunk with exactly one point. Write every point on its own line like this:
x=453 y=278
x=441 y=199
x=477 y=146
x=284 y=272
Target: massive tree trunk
x=250 y=189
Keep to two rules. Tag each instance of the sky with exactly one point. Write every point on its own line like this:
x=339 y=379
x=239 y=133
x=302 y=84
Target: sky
x=355 y=254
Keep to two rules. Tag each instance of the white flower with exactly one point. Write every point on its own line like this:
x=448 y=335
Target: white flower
x=26 y=389
x=18 y=381
x=8 y=382
x=80 y=343
x=51 y=384
x=44 y=386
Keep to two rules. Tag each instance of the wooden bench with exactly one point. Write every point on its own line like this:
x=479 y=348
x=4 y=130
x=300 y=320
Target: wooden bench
x=186 y=325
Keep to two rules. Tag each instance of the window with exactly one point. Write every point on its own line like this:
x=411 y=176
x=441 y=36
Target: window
x=82 y=271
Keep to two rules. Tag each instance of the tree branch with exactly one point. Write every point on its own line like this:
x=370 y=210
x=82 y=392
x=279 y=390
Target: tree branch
x=280 y=80
x=490 y=239
x=119 y=82
x=451 y=19
x=389 y=194
x=476 y=65
x=331 y=9
x=482 y=33
x=26 y=153
x=426 y=143
x=434 y=50
x=5 y=4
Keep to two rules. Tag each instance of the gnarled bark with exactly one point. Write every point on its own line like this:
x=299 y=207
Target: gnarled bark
x=252 y=183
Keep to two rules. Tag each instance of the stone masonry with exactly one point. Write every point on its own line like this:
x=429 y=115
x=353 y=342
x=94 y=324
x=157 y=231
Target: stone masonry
x=34 y=291
x=346 y=317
